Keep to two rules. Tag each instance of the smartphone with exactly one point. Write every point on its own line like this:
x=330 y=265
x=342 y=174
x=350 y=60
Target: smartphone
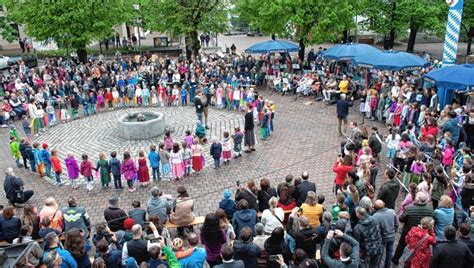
x=238 y=183
x=273 y=257
x=147 y=223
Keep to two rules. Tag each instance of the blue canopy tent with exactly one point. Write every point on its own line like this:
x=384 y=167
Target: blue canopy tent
x=273 y=46
x=348 y=51
x=390 y=60
x=448 y=79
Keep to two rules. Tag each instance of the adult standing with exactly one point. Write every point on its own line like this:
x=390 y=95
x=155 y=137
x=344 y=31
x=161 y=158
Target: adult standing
x=367 y=232
x=249 y=136
x=388 y=225
x=303 y=188
x=114 y=215
x=342 y=108
x=14 y=188
x=452 y=253
x=452 y=125
x=389 y=190
x=199 y=104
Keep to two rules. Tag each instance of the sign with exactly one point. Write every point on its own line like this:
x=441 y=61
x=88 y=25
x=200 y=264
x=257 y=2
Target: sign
x=452 y=32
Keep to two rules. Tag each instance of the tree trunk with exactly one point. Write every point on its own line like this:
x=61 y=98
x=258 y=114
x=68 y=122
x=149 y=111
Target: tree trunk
x=188 y=47
x=345 y=38
x=301 y=52
x=412 y=39
x=82 y=54
x=470 y=35
x=386 y=42
x=196 y=44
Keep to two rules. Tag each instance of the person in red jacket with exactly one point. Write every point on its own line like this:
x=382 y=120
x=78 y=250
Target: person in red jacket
x=429 y=128
x=341 y=167
x=56 y=167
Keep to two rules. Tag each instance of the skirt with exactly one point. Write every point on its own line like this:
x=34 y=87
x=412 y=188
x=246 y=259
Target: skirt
x=143 y=174
x=178 y=170
x=166 y=168
x=227 y=154
x=249 y=138
x=197 y=163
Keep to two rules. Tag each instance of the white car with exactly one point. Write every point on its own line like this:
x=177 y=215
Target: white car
x=4 y=62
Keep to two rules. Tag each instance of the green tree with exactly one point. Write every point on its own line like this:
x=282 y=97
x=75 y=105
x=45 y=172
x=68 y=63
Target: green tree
x=7 y=31
x=185 y=17
x=308 y=21
x=393 y=17
x=73 y=24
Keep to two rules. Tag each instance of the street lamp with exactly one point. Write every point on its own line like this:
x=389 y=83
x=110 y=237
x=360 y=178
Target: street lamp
x=137 y=23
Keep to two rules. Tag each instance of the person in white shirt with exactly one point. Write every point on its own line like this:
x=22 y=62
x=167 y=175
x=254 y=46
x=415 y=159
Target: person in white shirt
x=272 y=217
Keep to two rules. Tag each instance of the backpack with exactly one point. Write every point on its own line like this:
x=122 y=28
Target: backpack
x=373 y=240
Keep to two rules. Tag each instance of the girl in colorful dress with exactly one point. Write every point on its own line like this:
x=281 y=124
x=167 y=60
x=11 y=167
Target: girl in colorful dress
x=100 y=101
x=110 y=99
x=165 y=162
x=116 y=97
x=86 y=171
x=72 y=170
x=397 y=114
x=196 y=151
x=175 y=94
x=63 y=112
x=143 y=172
x=226 y=147
x=161 y=95
x=56 y=167
x=103 y=168
x=176 y=159
x=146 y=95
x=188 y=139
x=169 y=96
x=168 y=141
x=187 y=155
x=154 y=96
x=138 y=96
x=448 y=154
x=51 y=114
x=219 y=93
x=129 y=170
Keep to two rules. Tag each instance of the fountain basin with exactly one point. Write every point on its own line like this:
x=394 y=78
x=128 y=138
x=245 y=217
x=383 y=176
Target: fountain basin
x=131 y=128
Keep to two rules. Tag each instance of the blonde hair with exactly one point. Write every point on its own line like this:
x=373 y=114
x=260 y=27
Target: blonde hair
x=273 y=203
x=102 y=156
x=51 y=202
x=311 y=198
x=445 y=202
x=426 y=222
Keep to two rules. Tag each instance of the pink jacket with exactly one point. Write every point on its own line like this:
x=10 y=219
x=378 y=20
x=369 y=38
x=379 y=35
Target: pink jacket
x=128 y=169
x=448 y=156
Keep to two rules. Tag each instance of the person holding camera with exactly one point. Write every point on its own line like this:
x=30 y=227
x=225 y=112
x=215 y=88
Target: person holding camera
x=14 y=188
x=349 y=250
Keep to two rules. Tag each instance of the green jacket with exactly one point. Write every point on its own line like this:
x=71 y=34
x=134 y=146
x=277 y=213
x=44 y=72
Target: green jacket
x=15 y=150
x=171 y=258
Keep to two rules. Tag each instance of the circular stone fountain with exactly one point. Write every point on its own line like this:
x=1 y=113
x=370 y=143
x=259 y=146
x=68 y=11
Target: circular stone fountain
x=141 y=125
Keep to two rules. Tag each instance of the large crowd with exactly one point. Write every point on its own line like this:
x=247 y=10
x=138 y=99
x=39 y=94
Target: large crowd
x=428 y=150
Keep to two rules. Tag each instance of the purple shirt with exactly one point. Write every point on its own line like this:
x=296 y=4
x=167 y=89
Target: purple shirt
x=213 y=252
x=417 y=168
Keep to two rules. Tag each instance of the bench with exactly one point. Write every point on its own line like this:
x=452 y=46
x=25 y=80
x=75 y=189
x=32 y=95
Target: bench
x=197 y=221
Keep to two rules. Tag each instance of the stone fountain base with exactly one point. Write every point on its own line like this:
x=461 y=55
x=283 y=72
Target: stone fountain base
x=131 y=127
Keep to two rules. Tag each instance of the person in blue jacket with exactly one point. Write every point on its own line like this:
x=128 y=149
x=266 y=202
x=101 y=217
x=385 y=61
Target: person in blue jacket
x=46 y=158
x=154 y=160
x=216 y=150
x=51 y=255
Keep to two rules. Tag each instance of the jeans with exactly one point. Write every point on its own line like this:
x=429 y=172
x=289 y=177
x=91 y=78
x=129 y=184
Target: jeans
x=155 y=171
x=58 y=177
x=33 y=166
x=184 y=100
x=130 y=184
x=48 y=169
x=199 y=115
x=217 y=162
x=117 y=181
x=388 y=247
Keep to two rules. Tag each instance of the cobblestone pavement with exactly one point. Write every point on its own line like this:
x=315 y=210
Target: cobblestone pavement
x=305 y=139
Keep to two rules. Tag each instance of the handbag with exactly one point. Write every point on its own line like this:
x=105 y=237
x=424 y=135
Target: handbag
x=408 y=253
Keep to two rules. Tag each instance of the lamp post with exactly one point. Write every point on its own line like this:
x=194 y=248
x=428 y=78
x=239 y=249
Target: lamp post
x=137 y=23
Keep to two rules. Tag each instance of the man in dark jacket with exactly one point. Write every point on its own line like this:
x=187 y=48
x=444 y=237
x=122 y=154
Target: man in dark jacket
x=375 y=142
x=75 y=217
x=465 y=235
x=13 y=187
x=114 y=215
x=452 y=125
x=451 y=253
x=305 y=238
x=245 y=250
x=411 y=217
x=367 y=232
x=303 y=188
x=388 y=192
x=342 y=108
x=244 y=217
x=31 y=157
x=22 y=148
x=198 y=103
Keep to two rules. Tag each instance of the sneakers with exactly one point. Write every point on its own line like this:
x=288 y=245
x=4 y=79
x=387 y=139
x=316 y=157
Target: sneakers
x=131 y=190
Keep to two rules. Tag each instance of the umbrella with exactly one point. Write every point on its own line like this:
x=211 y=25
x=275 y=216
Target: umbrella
x=348 y=51
x=447 y=79
x=454 y=77
x=273 y=46
x=391 y=60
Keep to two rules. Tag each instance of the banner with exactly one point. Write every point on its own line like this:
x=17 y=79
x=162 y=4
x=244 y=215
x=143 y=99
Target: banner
x=452 y=32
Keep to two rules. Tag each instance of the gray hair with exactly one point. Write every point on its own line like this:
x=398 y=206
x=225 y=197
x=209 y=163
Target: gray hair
x=361 y=212
x=366 y=203
x=259 y=228
x=155 y=191
x=421 y=198
x=343 y=96
x=327 y=218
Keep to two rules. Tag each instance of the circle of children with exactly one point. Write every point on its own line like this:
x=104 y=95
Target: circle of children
x=62 y=87
x=286 y=225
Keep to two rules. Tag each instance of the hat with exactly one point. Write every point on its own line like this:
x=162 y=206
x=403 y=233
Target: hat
x=44 y=145
x=131 y=263
x=12 y=126
x=227 y=194
x=128 y=224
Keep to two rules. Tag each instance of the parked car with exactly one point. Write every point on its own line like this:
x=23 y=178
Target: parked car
x=253 y=33
x=4 y=62
x=30 y=60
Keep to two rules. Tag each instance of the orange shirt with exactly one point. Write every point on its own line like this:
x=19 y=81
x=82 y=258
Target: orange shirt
x=56 y=164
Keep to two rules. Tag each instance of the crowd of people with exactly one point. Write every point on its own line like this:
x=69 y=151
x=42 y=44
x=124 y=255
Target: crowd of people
x=428 y=150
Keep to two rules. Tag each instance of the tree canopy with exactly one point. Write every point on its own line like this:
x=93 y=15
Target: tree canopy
x=72 y=24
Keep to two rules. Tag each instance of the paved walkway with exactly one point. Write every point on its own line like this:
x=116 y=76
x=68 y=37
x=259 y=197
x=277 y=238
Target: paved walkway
x=305 y=139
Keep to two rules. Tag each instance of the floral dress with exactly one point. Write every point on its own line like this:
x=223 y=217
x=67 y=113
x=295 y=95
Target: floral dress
x=421 y=255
